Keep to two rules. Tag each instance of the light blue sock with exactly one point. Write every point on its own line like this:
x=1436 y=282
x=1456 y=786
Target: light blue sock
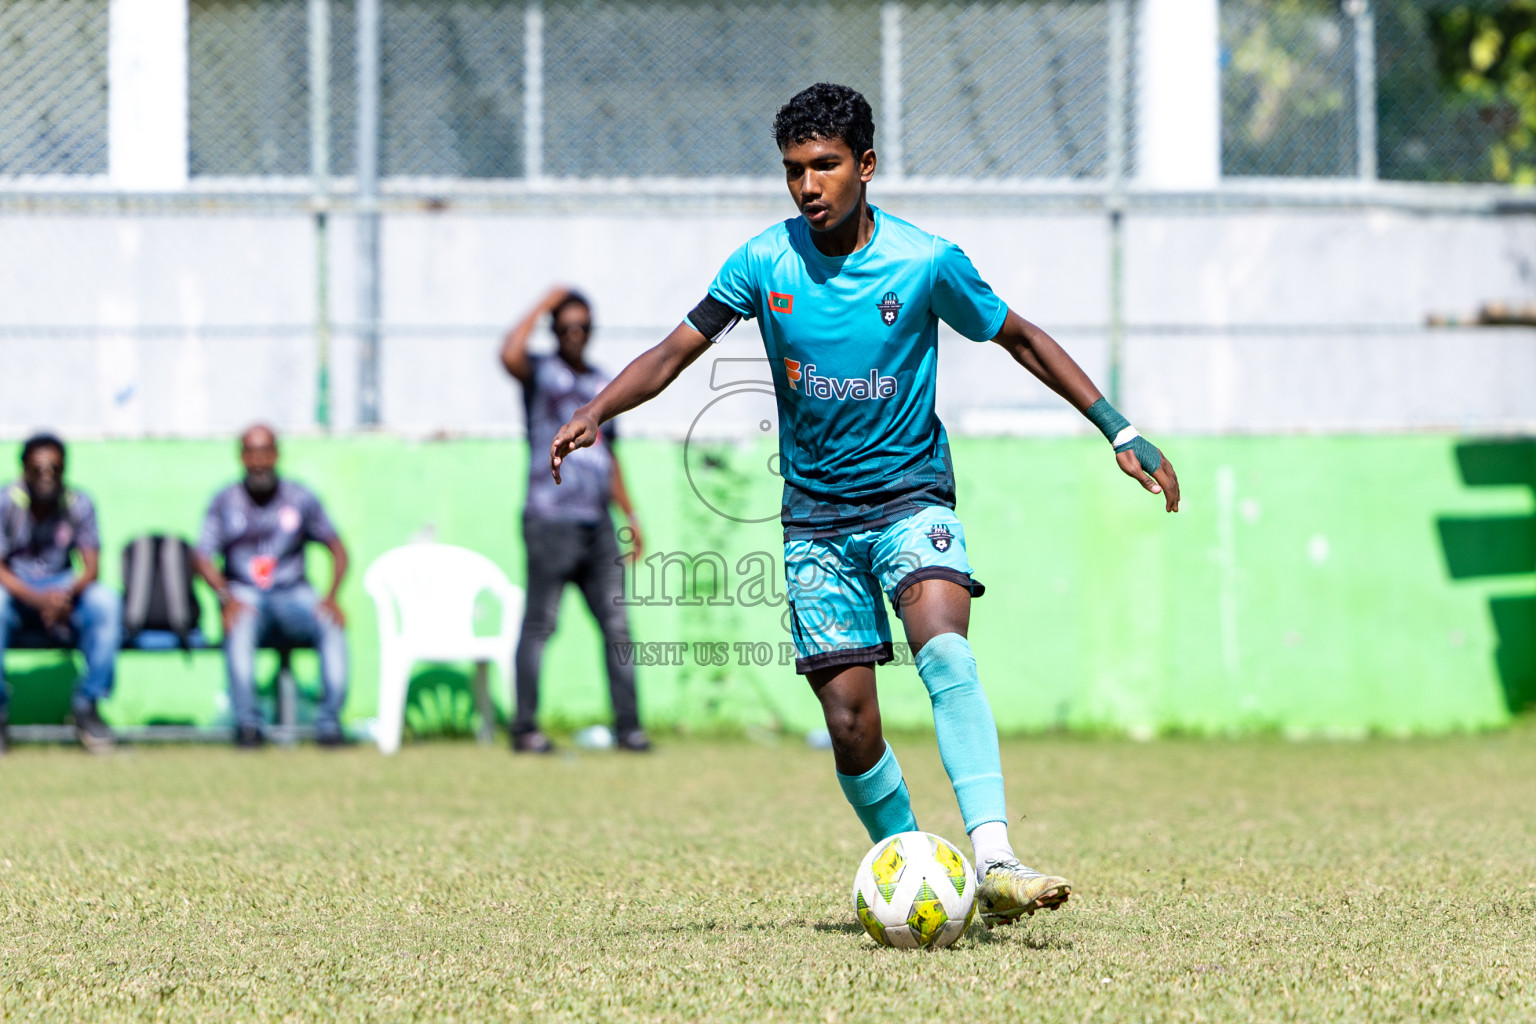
x=966 y=731
x=880 y=799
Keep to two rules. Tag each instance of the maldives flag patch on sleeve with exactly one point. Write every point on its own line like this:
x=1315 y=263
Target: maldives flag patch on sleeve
x=781 y=303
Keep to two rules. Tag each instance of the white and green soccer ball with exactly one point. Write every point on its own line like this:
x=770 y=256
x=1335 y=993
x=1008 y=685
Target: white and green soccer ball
x=915 y=891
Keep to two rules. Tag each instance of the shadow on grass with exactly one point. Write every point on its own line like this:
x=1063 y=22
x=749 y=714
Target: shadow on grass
x=976 y=933
x=712 y=925
x=1013 y=935
x=846 y=927
x=1016 y=934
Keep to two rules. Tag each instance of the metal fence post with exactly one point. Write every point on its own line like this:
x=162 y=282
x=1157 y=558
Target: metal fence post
x=368 y=68
x=533 y=91
x=1365 y=87
x=890 y=87
x=320 y=172
x=1119 y=57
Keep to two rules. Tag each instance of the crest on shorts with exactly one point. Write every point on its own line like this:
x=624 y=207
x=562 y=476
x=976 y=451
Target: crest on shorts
x=889 y=307
x=941 y=538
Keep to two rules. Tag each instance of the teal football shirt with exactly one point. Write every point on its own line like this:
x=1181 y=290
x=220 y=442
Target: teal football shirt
x=853 y=342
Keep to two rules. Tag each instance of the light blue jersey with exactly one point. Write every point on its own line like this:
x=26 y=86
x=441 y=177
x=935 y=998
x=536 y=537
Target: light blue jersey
x=853 y=342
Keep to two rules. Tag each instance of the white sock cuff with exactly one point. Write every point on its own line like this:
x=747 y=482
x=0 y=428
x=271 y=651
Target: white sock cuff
x=989 y=841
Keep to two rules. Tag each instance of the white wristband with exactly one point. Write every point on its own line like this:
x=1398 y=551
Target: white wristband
x=1125 y=436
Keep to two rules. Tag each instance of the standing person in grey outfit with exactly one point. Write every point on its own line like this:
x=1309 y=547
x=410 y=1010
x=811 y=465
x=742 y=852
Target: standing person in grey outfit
x=259 y=528
x=568 y=531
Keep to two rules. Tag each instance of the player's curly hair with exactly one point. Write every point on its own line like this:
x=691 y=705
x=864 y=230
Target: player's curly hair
x=826 y=111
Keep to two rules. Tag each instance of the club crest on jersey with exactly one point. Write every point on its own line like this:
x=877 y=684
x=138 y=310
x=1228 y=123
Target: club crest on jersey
x=941 y=538
x=889 y=307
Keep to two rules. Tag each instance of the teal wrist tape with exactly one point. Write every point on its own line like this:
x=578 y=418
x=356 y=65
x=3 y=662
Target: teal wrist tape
x=1107 y=418
x=1146 y=453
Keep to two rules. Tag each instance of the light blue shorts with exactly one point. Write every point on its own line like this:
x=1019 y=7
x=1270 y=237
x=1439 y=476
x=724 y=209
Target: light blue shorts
x=836 y=616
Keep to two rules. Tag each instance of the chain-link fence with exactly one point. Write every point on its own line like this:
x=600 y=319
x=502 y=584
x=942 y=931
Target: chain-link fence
x=1289 y=95
x=451 y=83
x=1444 y=86
x=247 y=89
x=490 y=89
x=1005 y=90
x=620 y=90
x=1454 y=98
x=53 y=87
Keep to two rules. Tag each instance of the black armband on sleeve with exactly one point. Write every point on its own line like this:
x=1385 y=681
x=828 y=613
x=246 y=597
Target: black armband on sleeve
x=713 y=318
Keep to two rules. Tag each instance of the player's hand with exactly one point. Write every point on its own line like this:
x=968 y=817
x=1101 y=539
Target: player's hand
x=331 y=610
x=580 y=432
x=54 y=607
x=232 y=611
x=1164 y=481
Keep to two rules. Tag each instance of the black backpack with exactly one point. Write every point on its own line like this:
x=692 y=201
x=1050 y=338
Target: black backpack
x=157 y=588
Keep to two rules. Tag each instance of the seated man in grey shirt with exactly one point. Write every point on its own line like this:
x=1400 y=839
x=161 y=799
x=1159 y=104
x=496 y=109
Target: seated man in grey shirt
x=259 y=528
x=567 y=530
x=42 y=598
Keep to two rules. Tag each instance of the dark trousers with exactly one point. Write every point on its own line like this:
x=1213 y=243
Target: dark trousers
x=561 y=552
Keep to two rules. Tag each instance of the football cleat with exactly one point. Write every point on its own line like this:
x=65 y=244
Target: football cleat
x=1009 y=890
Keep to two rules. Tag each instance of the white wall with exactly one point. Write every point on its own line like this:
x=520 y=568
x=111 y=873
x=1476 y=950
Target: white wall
x=1238 y=321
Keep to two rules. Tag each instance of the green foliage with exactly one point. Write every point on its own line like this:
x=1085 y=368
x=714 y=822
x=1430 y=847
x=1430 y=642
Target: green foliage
x=441 y=702
x=1286 y=95
x=1456 y=89
x=1486 y=57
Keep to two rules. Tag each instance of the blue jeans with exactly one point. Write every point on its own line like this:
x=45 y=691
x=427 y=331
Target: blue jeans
x=278 y=618
x=95 y=626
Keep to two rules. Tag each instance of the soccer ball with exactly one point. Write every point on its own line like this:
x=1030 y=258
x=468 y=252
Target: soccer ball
x=915 y=891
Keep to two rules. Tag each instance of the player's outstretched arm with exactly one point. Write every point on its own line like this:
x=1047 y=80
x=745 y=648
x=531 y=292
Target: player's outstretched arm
x=1137 y=457
x=639 y=382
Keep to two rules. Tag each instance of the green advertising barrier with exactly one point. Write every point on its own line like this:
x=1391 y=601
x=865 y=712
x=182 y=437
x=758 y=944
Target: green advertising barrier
x=1315 y=585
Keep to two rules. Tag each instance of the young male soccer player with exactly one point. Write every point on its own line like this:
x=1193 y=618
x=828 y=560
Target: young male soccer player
x=848 y=299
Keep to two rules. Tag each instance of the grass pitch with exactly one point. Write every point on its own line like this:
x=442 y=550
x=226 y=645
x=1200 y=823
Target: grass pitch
x=1216 y=881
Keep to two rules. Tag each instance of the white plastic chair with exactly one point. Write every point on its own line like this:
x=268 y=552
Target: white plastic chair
x=425 y=596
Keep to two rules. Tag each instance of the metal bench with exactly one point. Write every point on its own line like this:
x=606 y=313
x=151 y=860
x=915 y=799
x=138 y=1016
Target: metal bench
x=285 y=731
